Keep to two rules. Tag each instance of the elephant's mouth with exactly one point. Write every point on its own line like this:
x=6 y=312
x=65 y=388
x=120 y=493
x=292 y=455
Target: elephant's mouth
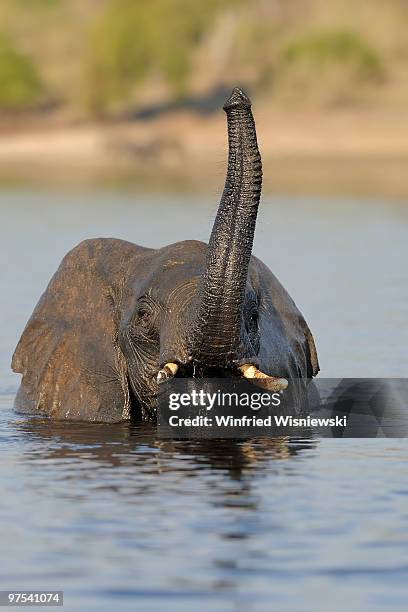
x=248 y=371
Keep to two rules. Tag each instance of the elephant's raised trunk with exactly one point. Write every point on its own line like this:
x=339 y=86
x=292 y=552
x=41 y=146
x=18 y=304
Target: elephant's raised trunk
x=215 y=333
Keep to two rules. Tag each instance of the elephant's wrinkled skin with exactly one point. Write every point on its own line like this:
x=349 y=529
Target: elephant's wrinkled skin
x=115 y=313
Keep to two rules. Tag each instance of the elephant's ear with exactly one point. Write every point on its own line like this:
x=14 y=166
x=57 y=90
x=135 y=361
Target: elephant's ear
x=68 y=355
x=288 y=321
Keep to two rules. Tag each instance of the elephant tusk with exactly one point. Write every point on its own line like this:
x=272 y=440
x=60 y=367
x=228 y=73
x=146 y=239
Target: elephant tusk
x=272 y=383
x=169 y=370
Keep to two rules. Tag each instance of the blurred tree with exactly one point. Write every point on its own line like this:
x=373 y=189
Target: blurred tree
x=33 y=4
x=20 y=84
x=330 y=65
x=133 y=39
x=329 y=47
x=112 y=54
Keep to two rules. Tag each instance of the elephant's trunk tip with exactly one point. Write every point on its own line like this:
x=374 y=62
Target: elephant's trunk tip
x=238 y=99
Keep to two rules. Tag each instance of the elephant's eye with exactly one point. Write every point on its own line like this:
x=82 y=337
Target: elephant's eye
x=252 y=323
x=143 y=317
x=252 y=317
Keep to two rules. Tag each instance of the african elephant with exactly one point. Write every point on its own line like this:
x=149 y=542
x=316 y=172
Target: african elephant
x=118 y=319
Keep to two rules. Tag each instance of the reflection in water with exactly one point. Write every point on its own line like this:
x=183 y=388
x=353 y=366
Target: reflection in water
x=118 y=517
x=123 y=520
x=137 y=445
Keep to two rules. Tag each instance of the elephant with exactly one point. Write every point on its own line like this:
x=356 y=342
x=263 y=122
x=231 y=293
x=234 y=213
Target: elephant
x=118 y=320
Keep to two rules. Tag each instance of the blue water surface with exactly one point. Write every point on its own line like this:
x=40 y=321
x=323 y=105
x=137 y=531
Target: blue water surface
x=119 y=519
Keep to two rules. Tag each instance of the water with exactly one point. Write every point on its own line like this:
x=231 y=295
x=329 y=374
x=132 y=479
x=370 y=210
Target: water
x=122 y=520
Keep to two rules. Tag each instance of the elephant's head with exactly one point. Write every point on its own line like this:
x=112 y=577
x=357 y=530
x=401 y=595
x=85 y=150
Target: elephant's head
x=141 y=316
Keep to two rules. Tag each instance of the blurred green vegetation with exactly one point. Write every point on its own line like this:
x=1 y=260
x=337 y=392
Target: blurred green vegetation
x=131 y=40
x=323 y=50
x=20 y=84
x=329 y=64
x=38 y=4
x=104 y=56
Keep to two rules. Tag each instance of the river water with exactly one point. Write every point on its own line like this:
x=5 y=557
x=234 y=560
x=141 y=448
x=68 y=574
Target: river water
x=119 y=519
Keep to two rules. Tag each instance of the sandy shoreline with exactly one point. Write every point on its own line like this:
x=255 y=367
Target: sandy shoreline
x=337 y=150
